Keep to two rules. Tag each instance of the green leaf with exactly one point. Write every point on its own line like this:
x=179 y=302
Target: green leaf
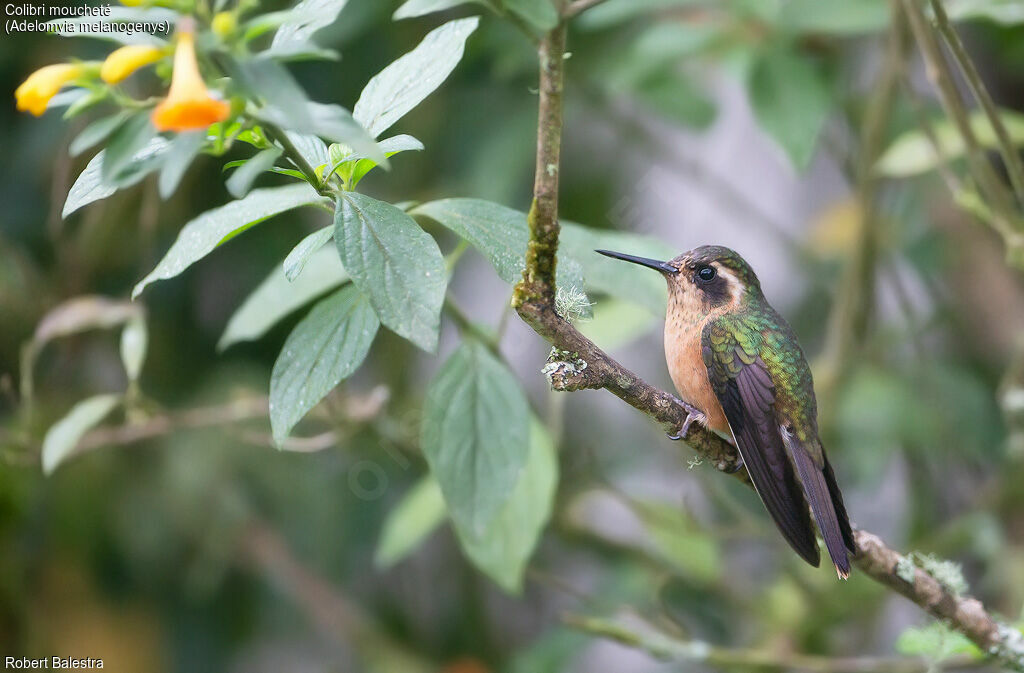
x=540 y=13
x=296 y=260
x=936 y=641
x=419 y=513
x=90 y=187
x=679 y=540
x=276 y=297
x=96 y=132
x=184 y=148
x=397 y=265
x=324 y=349
x=412 y=8
x=124 y=143
x=675 y=97
x=400 y=87
x=199 y=237
x=618 y=279
x=504 y=548
x=310 y=147
x=791 y=101
x=833 y=17
x=134 y=343
x=501 y=234
x=241 y=180
x=62 y=438
x=614 y=12
x=307 y=17
x=353 y=166
x=475 y=436
x=912 y=153
x=1004 y=12
x=287 y=106
x=617 y=323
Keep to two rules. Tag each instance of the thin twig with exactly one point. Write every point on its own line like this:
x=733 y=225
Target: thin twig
x=1011 y=157
x=939 y=74
x=662 y=646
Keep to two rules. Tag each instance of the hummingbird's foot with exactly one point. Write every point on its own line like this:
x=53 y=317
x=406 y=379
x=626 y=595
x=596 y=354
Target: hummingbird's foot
x=692 y=414
x=736 y=467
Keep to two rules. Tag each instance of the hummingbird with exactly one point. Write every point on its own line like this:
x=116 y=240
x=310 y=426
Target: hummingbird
x=740 y=372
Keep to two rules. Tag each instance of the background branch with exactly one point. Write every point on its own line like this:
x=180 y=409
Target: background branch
x=667 y=648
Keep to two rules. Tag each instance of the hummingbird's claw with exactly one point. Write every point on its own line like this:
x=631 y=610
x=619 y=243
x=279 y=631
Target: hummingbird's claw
x=692 y=414
x=737 y=466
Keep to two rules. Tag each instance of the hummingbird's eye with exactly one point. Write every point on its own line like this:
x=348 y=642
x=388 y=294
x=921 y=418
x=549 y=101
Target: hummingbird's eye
x=706 y=274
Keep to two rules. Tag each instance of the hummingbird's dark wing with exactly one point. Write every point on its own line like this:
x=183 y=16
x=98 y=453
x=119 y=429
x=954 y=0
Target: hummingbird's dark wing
x=744 y=388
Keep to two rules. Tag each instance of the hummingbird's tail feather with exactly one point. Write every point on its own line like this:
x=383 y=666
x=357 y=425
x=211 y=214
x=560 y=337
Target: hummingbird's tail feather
x=827 y=506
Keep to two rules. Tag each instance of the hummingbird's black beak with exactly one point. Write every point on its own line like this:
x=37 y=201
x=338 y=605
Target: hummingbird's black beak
x=664 y=267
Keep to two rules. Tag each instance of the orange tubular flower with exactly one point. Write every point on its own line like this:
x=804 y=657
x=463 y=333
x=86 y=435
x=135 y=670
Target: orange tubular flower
x=35 y=93
x=124 y=61
x=188 y=105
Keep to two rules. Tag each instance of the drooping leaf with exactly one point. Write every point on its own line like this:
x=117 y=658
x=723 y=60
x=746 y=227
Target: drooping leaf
x=401 y=86
x=791 y=100
x=90 y=187
x=287 y=106
x=617 y=323
x=241 y=180
x=505 y=546
x=413 y=8
x=124 y=143
x=184 y=148
x=62 y=438
x=134 y=343
x=324 y=349
x=618 y=279
x=501 y=234
x=310 y=147
x=672 y=95
x=96 y=132
x=419 y=513
x=397 y=265
x=296 y=260
x=307 y=17
x=912 y=153
x=202 y=235
x=539 y=13
x=475 y=436
x=498 y=232
x=277 y=297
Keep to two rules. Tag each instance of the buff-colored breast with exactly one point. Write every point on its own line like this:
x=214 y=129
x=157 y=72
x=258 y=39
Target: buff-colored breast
x=683 y=353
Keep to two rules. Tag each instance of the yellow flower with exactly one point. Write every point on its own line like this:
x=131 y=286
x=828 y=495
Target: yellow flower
x=126 y=60
x=35 y=93
x=188 y=105
x=224 y=24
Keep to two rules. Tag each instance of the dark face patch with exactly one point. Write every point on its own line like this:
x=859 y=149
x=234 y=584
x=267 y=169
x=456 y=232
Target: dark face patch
x=712 y=287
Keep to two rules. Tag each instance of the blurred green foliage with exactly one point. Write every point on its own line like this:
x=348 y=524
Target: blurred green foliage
x=180 y=539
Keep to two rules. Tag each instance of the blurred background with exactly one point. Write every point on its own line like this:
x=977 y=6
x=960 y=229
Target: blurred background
x=194 y=545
